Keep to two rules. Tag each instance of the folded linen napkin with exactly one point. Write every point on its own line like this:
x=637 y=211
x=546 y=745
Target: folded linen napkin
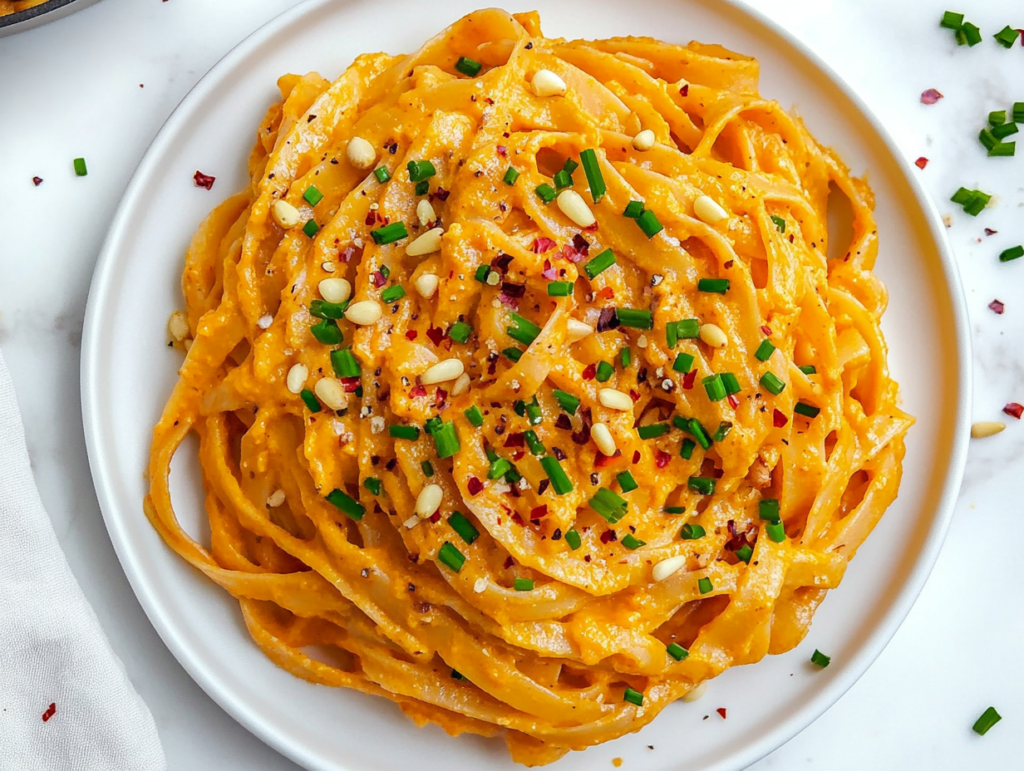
x=66 y=703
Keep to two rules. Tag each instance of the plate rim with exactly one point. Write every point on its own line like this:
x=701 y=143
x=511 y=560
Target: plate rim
x=785 y=730
x=30 y=18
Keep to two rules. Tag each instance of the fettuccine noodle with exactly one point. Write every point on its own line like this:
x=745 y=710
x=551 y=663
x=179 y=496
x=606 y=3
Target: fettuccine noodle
x=524 y=474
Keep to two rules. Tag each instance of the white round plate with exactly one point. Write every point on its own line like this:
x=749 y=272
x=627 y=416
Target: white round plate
x=30 y=18
x=128 y=373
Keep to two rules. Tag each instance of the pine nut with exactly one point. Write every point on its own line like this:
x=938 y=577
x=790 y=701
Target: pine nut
x=426 y=285
x=462 y=384
x=428 y=501
x=641 y=342
x=427 y=243
x=425 y=213
x=328 y=267
x=707 y=209
x=285 y=215
x=275 y=499
x=335 y=290
x=696 y=693
x=986 y=428
x=575 y=208
x=443 y=371
x=615 y=400
x=667 y=567
x=577 y=330
x=644 y=140
x=364 y=313
x=264 y=322
x=493 y=278
x=331 y=393
x=603 y=439
x=411 y=522
x=547 y=83
x=177 y=326
x=712 y=335
x=360 y=153
x=297 y=378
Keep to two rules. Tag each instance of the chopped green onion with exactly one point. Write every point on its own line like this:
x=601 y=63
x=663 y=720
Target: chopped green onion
x=808 y=369
x=546 y=193
x=345 y=363
x=744 y=553
x=533 y=413
x=573 y=539
x=686 y=451
x=675 y=509
x=511 y=175
x=567 y=402
x=714 y=387
x=446 y=441
x=523 y=584
x=977 y=203
x=780 y=224
x=428 y=469
x=1018 y=112
x=372 y=484
x=988 y=719
x=312 y=403
x=626 y=481
x=633 y=210
x=451 y=557
x=807 y=410
x=649 y=224
x=608 y=504
x=1003 y=150
x=325 y=310
x=997 y=118
x=772 y=383
x=683 y=362
x=593 y=171
x=570 y=165
x=499 y=468
x=326 y=332
x=512 y=354
x=519 y=407
x=534 y=442
x=692 y=532
x=971 y=34
x=404 y=432
x=604 y=371
x=559 y=481
x=599 y=264
x=463 y=527
x=732 y=385
x=311 y=228
x=693 y=426
x=460 y=332
x=1004 y=130
x=952 y=20
x=468 y=66
x=722 y=431
x=764 y=350
x=768 y=509
x=382 y=174
x=986 y=138
x=522 y=330
x=562 y=180
x=687 y=329
x=422 y=187
x=819 y=659
x=776 y=531
x=633 y=697
x=963 y=196
x=491 y=455
x=1013 y=253
x=676 y=651
x=702 y=485
x=348 y=505
x=420 y=170
x=635 y=318
x=432 y=425
x=704 y=585
x=312 y=196
x=631 y=542
x=513 y=476
x=560 y=288
x=80 y=169
x=393 y=293
x=389 y=233
x=715 y=285
x=1007 y=36
x=653 y=431
x=474 y=416
x=624 y=357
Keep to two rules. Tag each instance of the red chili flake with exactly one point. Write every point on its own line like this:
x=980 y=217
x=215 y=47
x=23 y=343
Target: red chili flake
x=601 y=460
x=685 y=90
x=549 y=273
x=662 y=458
x=544 y=484
x=689 y=379
x=474 y=486
x=589 y=372
x=518 y=519
x=511 y=302
x=733 y=401
x=411 y=334
x=508 y=562
x=1014 y=409
x=636 y=456
x=766 y=330
x=541 y=245
x=518 y=456
x=990 y=232
x=378 y=279
x=634 y=395
x=608 y=536
x=204 y=180
x=921 y=162
x=563 y=422
x=441 y=394
x=727 y=264
x=502 y=262
x=371 y=217
x=502 y=151
x=592 y=228
x=435 y=517
x=435 y=334
x=582 y=436
x=417 y=391
x=515 y=439
x=931 y=96
x=351 y=384
x=778 y=419
x=37 y=181
x=539 y=511
x=581 y=245
x=440 y=194
x=50 y=712
x=348 y=254
x=606 y=293
x=608 y=319
x=721 y=711
x=997 y=307
x=513 y=290
x=557 y=452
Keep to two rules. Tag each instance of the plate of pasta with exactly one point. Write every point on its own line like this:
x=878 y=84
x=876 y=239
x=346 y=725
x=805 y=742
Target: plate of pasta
x=506 y=381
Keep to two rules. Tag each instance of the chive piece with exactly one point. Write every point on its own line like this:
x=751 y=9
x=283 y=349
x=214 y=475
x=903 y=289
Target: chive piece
x=1003 y=150
x=513 y=476
x=451 y=557
x=422 y=188
x=675 y=509
x=559 y=481
x=633 y=697
x=523 y=584
x=562 y=180
x=325 y=310
x=631 y=542
x=593 y=171
x=624 y=357
x=404 y=432
x=1006 y=37
x=312 y=196
x=988 y=719
x=446 y=441
x=522 y=330
x=977 y=203
x=560 y=288
x=986 y=138
x=519 y=407
x=764 y=350
x=1018 y=112
x=686 y=451
x=428 y=469
x=653 y=431
x=693 y=426
x=683 y=362
x=466 y=530
x=692 y=532
x=635 y=318
x=468 y=66
x=972 y=34
x=372 y=484
x=533 y=442
x=312 y=403
x=772 y=383
x=809 y=369
x=1004 y=130
x=649 y=224
x=389 y=233
x=962 y=196
x=604 y=371
x=744 y=553
x=348 y=505
x=633 y=210
x=474 y=416
x=567 y=402
x=511 y=175
x=714 y=387
x=599 y=264
x=573 y=539
x=702 y=485
x=608 y=504
x=491 y=455
x=626 y=481
x=997 y=118
x=460 y=331
x=311 y=228
x=512 y=354
x=545 y=192
x=704 y=585
x=676 y=651
x=499 y=468
x=482 y=272
x=345 y=363
x=420 y=170
x=326 y=332
x=776 y=531
x=432 y=425
x=732 y=385
x=780 y=224
x=1013 y=253
x=80 y=169
x=819 y=659
x=382 y=174
x=715 y=285
x=768 y=509
x=392 y=293
x=952 y=20
x=570 y=165
x=807 y=410
x=722 y=431
x=533 y=413
x=687 y=329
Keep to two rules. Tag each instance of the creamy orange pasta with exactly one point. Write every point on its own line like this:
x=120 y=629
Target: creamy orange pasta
x=523 y=381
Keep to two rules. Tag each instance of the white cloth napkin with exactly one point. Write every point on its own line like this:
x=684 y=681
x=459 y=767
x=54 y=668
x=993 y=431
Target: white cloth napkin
x=52 y=649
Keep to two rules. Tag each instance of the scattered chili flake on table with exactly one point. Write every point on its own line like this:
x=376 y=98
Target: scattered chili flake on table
x=1014 y=409
x=204 y=180
x=990 y=232
x=931 y=96
x=721 y=711
x=37 y=181
x=997 y=307
x=50 y=712
x=921 y=162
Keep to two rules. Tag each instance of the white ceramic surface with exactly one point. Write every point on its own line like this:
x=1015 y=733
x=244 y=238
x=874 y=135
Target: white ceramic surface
x=30 y=18
x=135 y=289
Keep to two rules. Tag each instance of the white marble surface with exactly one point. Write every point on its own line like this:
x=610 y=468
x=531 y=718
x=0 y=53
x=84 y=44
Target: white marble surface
x=100 y=83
